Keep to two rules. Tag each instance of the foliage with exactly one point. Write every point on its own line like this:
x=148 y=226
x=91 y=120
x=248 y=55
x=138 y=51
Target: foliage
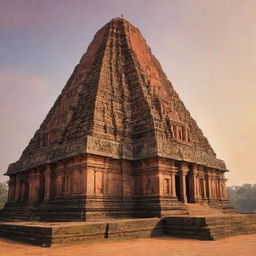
x=3 y=193
x=243 y=198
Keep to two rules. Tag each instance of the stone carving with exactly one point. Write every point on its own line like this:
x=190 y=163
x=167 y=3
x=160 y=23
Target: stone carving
x=118 y=140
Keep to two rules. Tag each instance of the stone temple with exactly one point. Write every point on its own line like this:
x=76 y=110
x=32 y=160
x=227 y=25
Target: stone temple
x=118 y=143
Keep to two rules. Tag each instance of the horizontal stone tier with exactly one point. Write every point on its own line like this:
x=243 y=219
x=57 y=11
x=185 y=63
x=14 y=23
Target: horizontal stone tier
x=204 y=228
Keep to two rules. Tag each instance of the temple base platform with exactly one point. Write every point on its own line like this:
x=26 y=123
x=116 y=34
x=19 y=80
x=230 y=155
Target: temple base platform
x=209 y=227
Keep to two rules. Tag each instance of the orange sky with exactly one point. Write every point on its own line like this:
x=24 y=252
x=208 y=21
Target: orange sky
x=207 y=49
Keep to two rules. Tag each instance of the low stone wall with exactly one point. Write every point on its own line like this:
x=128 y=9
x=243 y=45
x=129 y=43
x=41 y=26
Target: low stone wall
x=205 y=228
x=46 y=234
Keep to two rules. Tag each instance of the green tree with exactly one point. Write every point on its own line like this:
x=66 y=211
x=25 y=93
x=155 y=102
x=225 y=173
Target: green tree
x=3 y=193
x=243 y=198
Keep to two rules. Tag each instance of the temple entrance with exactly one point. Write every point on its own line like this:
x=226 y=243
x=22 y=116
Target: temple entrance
x=188 y=189
x=177 y=186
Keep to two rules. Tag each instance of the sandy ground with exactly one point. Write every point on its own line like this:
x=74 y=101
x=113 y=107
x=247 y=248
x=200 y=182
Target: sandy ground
x=244 y=245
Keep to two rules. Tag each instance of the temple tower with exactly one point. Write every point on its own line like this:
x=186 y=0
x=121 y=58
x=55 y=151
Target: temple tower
x=118 y=142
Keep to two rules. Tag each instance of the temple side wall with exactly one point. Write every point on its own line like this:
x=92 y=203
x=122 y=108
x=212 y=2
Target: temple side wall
x=104 y=187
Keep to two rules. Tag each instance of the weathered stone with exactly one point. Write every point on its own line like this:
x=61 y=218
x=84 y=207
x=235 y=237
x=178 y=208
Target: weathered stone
x=117 y=143
x=204 y=228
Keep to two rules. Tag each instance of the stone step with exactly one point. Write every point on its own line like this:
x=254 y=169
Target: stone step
x=205 y=228
x=202 y=210
x=210 y=227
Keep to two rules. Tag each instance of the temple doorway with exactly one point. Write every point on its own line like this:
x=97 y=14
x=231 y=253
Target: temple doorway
x=177 y=186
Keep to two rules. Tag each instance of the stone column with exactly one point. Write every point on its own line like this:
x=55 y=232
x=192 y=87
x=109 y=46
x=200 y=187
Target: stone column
x=22 y=189
x=57 y=183
x=214 y=187
x=185 y=132
x=47 y=184
x=183 y=172
x=176 y=134
x=173 y=171
x=17 y=188
x=219 y=185
x=198 y=184
x=11 y=190
x=84 y=180
x=36 y=187
x=161 y=182
x=33 y=182
x=212 y=181
x=225 y=189
x=30 y=185
x=209 y=183
x=204 y=188
x=194 y=183
x=105 y=181
x=218 y=188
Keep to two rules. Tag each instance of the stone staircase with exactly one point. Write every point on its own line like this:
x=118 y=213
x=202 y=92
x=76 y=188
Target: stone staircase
x=210 y=227
x=23 y=214
x=202 y=210
x=196 y=227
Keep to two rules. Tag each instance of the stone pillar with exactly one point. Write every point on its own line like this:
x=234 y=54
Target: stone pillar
x=161 y=182
x=201 y=182
x=17 y=188
x=37 y=185
x=215 y=181
x=57 y=183
x=84 y=180
x=67 y=182
x=22 y=189
x=34 y=184
x=176 y=134
x=204 y=188
x=31 y=185
x=194 y=184
x=198 y=189
x=173 y=171
x=218 y=188
x=90 y=181
x=212 y=181
x=185 y=132
x=183 y=172
x=219 y=185
x=47 y=184
x=173 y=185
x=225 y=189
x=11 y=190
x=209 y=183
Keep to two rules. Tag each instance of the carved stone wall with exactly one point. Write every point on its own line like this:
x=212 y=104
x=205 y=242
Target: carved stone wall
x=118 y=103
x=118 y=141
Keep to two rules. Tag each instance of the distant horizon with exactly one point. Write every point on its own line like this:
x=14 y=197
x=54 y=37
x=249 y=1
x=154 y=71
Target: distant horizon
x=207 y=51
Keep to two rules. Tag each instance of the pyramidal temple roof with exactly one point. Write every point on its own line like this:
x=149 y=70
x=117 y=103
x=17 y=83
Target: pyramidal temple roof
x=118 y=103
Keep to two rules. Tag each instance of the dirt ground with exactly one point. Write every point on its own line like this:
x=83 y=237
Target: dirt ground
x=244 y=245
